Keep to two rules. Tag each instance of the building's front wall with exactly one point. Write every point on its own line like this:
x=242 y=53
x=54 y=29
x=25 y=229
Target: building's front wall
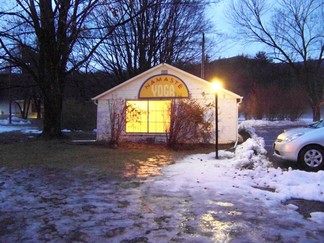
x=228 y=120
x=103 y=127
x=198 y=90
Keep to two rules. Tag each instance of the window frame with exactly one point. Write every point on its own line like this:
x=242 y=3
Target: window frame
x=147 y=132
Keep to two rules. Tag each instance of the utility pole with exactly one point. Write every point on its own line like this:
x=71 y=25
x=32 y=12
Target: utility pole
x=202 y=75
x=10 y=95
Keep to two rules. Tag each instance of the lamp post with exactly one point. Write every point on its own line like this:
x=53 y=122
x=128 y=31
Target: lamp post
x=216 y=87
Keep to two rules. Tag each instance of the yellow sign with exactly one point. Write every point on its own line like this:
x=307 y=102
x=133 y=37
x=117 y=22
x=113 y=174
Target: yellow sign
x=163 y=86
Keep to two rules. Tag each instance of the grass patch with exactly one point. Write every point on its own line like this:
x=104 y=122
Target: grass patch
x=128 y=159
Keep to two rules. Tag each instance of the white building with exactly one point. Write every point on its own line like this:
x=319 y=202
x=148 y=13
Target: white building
x=152 y=92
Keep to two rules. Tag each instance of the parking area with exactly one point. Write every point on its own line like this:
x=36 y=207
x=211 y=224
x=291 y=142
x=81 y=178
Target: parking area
x=270 y=134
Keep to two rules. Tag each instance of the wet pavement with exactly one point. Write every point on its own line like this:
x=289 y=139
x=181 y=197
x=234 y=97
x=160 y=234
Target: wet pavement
x=40 y=205
x=51 y=205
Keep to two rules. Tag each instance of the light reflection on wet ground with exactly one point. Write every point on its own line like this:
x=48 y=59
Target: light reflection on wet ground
x=209 y=217
x=219 y=229
x=143 y=169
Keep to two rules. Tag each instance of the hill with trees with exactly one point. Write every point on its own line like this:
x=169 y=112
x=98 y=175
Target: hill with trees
x=270 y=90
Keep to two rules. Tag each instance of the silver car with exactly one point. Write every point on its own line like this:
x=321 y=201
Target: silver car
x=304 y=145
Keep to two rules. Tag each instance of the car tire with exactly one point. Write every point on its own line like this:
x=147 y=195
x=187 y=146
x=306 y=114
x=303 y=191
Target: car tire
x=312 y=158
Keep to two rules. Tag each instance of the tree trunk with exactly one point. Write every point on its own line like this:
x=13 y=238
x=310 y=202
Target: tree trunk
x=316 y=111
x=38 y=106
x=309 y=76
x=53 y=104
x=52 y=116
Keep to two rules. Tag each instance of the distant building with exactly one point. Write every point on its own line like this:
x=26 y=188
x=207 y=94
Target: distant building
x=19 y=92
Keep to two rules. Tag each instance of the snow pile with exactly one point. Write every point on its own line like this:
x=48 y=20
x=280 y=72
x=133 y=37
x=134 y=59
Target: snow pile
x=293 y=183
x=251 y=154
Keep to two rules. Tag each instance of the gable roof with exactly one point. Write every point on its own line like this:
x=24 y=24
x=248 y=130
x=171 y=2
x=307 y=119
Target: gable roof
x=155 y=68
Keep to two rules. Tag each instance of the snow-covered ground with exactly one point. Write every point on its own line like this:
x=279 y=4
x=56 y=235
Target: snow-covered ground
x=239 y=197
x=14 y=121
x=17 y=124
x=250 y=198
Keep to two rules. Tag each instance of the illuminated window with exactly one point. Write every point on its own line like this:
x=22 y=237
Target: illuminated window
x=159 y=116
x=147 y=116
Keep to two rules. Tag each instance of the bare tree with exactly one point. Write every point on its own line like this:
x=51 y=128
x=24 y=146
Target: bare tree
x=59 y=37
x=293 y=32
x=170 y=31
x=118 y=119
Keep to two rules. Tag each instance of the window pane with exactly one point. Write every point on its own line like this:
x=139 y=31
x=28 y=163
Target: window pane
x=136 y=116
x=159 y=116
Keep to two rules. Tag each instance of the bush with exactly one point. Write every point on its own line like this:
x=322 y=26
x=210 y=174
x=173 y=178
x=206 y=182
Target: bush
x=188 y=123
x=78 y=115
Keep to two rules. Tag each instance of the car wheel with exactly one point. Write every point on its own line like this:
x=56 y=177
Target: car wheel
x=312 y=158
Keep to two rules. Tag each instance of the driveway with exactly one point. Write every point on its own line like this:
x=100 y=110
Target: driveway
x=270 y=134
x=50 y=205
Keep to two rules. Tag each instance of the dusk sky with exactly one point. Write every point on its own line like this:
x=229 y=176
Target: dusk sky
x=230 y=48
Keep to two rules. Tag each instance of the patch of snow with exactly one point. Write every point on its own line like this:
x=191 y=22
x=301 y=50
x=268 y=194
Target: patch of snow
x=263 y=123
x=66 y=130
x=22 y=125
x=9 y=128
x=242 y=193
x=247 y=169
x=317 y=217
x=17 y=124
x=32 y=131
x=15 y=121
